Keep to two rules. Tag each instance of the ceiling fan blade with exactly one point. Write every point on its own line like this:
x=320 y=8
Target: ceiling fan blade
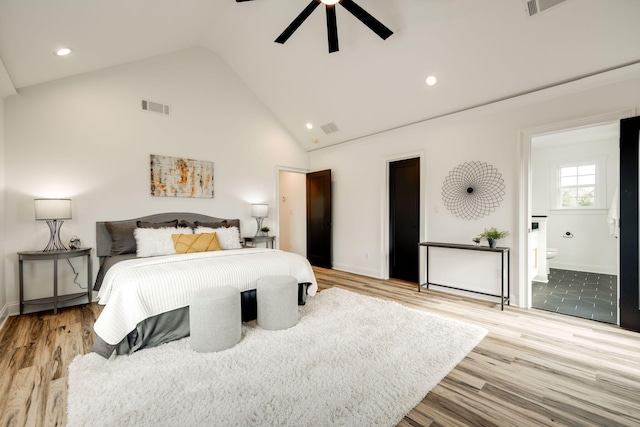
x=288 y=32
x=366 y=18
x=240 y=1
x=332 y=28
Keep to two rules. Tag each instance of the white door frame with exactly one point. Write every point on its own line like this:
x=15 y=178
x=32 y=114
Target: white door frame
x=525 y=208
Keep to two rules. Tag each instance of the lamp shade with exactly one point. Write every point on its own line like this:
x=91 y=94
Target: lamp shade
x=48 y=209
x=259 y=211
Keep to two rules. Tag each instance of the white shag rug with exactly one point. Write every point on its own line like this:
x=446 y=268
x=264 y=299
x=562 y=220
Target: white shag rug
x=351 y=360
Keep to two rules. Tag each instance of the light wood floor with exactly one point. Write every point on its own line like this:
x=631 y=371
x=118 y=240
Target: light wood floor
x=534 y=368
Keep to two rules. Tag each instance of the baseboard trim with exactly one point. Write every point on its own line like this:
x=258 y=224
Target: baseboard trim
x=13 y=309
x=541 y=278
x=369 y=272
x=584 y=267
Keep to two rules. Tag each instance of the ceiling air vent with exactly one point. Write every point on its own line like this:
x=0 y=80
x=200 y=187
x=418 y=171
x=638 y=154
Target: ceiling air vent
x=329 y=128
x=535 y=7
x=156 y=107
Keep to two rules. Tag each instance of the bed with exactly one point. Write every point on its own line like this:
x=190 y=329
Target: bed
x=146 y=291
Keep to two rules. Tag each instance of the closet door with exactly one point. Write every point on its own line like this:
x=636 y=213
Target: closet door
x=404 y=219
x=629 y=219
x=319 y=218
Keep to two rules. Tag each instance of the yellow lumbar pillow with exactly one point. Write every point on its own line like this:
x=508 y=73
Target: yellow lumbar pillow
x=188 y=243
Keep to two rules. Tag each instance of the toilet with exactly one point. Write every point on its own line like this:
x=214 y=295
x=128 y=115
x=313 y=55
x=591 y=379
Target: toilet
x=551 y=253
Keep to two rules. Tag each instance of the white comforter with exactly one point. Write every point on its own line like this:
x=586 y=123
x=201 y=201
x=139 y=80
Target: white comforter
x=136 y=289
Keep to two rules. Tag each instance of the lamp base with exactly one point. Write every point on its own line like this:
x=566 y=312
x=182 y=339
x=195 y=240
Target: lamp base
x=54 y=240
x=259 y=221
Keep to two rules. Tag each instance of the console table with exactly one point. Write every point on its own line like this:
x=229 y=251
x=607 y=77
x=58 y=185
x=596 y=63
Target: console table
x=503 y=251
x=55 y=256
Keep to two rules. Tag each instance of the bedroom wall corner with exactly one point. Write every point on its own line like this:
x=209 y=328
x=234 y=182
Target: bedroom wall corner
x=3 y=284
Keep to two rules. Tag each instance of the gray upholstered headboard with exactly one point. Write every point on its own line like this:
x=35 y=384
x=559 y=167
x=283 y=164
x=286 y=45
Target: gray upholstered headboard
x=103 y=238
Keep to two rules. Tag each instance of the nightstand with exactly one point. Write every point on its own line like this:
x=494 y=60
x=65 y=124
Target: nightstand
x=55 y=256
x=267 y=240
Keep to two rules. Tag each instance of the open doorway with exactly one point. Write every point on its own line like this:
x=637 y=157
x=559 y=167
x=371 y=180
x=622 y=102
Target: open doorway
x=573 y=242
x=292 y=213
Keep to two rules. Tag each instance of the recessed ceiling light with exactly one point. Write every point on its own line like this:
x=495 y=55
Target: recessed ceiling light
x=431 y=80
x=63 y=52
x=309 y=125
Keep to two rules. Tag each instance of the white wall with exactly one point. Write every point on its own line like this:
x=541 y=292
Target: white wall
x=3 y=287
x=292 y=228
x=591 y=248
x=489 y=134
x=86 y=138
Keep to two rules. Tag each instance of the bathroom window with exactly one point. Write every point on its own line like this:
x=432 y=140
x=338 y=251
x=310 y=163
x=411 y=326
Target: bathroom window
x=581 y=185
x=578 y=186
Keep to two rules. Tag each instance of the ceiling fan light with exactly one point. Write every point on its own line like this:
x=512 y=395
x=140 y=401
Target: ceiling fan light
x=330 y=1
x=63 y=51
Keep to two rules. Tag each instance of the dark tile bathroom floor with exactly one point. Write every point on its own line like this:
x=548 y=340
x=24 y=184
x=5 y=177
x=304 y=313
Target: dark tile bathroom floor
x=577 y=293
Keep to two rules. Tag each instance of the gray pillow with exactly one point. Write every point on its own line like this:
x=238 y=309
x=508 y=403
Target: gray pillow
x=219 y=224
x=166 y=224
x=122 y=240
x=233 y=223
x=186 y=224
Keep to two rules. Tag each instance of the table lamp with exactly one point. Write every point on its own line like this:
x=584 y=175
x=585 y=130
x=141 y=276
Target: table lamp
x=259 y=212
x=53 y=211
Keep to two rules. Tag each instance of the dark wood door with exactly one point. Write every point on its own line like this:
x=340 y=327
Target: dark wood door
x=629 y=238
x=319 y=218
x=404 y=216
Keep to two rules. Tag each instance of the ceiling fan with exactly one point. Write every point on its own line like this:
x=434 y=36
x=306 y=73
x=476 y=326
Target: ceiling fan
x=332 y=29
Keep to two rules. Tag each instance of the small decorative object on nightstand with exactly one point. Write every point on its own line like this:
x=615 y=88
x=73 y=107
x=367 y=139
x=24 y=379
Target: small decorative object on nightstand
x=75 y=243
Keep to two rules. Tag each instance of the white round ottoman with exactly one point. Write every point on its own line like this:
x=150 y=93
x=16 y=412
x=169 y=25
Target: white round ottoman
x=277 y=300
x=215 y=319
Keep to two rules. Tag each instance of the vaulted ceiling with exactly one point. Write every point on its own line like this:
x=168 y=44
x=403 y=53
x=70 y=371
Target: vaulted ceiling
x=480 y=51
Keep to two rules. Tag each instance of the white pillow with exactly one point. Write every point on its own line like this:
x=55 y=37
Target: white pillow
x=228 y=238
x=156 y=241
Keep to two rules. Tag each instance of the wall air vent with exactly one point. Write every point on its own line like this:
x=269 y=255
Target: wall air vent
x=329 y=128
x=535 y=7
x=156 y=107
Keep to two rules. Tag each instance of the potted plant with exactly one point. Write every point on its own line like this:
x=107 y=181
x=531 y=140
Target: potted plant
x=492 y=235
x=265 y=231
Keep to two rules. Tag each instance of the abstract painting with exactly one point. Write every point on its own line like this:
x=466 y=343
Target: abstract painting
x=178 y=177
